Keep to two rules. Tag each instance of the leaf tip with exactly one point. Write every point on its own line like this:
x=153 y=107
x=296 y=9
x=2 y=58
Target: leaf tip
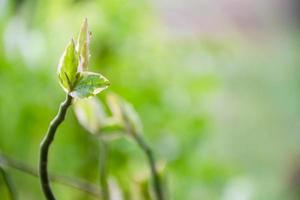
x=85 y=21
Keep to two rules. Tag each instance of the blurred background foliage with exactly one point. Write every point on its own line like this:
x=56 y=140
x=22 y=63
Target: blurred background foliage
x=216 y=86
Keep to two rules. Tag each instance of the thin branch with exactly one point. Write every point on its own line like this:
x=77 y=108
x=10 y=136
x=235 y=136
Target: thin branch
x=156 y=179
x=103 y=169
x=9 y=184
x=45 y=145
x=150 y=157
x=75 y=183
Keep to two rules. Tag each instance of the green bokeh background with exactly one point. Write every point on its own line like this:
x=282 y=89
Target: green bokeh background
x=223 y=113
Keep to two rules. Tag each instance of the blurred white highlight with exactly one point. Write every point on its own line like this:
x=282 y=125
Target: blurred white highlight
x=238 y=189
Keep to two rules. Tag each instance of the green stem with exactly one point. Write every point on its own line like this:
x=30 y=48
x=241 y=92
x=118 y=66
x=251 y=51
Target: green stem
x=9 y=184
x=103 y=170
x=148 y=152
x=45 y=145
x=75 y=183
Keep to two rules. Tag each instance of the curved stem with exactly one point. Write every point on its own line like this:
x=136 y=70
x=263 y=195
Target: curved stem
x=103 y=170
x=156 y=180
x=9 y=184
x=75 y=183
x=45 y=145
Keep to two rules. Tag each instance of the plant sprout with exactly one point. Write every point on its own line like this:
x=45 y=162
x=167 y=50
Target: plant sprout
x=124 y=119
x=77 y=82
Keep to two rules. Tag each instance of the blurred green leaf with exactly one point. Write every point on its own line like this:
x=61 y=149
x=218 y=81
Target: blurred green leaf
x=67 y=67
x=89 y=84
x=90 y=113
x=92 y=116
x=124 y=112
x=111 y=125
x=114 y=104
x=131 y=117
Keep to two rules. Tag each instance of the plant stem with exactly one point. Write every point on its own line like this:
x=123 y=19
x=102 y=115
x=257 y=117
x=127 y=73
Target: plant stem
x=148 y=152
x=45 y=145
x=103 y=169
x=67 y=181
x=9 y=184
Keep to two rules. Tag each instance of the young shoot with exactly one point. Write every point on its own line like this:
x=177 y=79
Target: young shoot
x=78 y=83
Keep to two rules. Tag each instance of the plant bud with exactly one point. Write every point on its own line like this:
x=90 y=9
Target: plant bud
x=83 y=45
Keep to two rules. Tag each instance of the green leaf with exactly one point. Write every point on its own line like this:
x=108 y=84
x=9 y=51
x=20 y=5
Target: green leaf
x=67 y=67
x=83 y=45
x=131 y=117
x=89 y=84
x=90 y=114
x=114 y=104
x=124 y=112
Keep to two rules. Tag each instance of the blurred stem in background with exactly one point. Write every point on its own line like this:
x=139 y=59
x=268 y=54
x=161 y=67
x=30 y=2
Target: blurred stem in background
x=148 y=152
x=131 y=124
x=45 y=145
x=67 y=181
x=9 y=184
x=124 y=121
x=103 y=169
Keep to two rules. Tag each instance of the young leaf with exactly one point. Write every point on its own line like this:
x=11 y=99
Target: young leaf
x=123 y=111
x=89 y=84
x=82 y=46
x=114 y=104
x=131 y=117
x=90 y=114
x=67 y=67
